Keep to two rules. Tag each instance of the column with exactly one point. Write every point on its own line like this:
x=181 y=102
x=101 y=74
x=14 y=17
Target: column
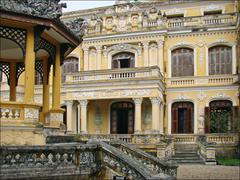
x=79 y=118
x=138 y=116
x=45 y=89
x=146 y=54
x=56 y=81
x=99 y=57
x=83 y=104
x=13 y=82
x=29 y=67
x=155 y=114
x=139 y=59
x=69 y=116
x=160 y=56
x=161 y=118
x=86 y=55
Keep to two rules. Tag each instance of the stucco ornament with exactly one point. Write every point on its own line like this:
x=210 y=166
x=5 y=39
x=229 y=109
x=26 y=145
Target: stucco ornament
x=31 y=114
x=41 y=8
x=78 y=26
x=201 y=96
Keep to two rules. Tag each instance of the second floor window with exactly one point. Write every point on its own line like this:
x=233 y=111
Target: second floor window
x=70 y=65
x=123 y=60
x=182 y=62
x=220 y=60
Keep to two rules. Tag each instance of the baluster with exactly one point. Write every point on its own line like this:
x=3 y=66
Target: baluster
x=3 y=114
x=16 y=115
x=10 y=114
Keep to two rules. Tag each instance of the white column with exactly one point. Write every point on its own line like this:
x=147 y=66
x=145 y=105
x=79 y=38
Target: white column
x=99 y=57
x=69 y=116
x=160 y=56
x=79 y=118
x=139 y=58
x=83 y=104
x=86 y=56
x=161 y=118
x=138 y=116
x=155 y=114
x=146 y=53
x=234 y=59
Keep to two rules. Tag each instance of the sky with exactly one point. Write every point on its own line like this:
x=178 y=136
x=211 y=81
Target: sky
x=81 y=4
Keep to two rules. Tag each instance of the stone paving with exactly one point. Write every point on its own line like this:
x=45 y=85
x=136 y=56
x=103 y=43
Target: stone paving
x=208 y=172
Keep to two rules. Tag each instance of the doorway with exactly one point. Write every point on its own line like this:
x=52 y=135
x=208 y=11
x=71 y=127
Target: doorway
x=122 y=118
x=182 y=117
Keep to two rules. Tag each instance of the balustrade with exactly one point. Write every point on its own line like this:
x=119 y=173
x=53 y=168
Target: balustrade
x=115 y=74
x=201 y=80
x=222 y=138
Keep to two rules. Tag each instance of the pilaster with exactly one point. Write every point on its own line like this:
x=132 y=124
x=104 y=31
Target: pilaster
x=83 y=105
x=86 y=56
x=99 y=57
x=69 y=105
x=160 y=59
x=155 y=114
x=146 y=53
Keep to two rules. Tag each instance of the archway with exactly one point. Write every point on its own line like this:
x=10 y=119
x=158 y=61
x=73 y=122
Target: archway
x=122 y=118
x=219 y=116
x=182 y=117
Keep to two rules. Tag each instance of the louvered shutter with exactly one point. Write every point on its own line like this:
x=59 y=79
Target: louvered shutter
x=207 y=120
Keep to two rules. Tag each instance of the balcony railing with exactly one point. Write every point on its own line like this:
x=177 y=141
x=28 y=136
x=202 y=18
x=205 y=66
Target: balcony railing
x=127 y=73
x=201 y=81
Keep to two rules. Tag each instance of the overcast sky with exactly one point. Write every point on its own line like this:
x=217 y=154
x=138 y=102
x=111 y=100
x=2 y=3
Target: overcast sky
x=81 y=4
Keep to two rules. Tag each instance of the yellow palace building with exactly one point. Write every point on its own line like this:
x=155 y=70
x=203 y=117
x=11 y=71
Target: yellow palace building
x=164 y=67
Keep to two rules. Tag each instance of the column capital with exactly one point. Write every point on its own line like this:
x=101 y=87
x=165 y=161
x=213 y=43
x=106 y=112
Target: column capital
x=85 y=49
x=145 y=44
x=99 y=48
x=69 y=102
x=137 y=101
x=83 y=103
x=155 y=100
x=160 y=43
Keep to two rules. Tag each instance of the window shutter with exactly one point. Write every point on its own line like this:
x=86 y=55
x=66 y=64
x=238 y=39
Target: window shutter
x=235 y=119
x=174 y=120
x=207 y=119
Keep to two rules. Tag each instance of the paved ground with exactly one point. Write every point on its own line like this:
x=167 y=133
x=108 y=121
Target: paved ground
x=212 y=172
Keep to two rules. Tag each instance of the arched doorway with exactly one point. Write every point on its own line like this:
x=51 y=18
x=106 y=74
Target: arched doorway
x=219 y=116
x=182 y=117
x=123 y=60
x=122 y=118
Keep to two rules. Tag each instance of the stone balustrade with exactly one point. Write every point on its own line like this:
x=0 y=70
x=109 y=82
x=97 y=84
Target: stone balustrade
x=15 y=112
x=222 y=138
x=206 y=150
x=184 y=138
x=114 y=74
x=49 y=161
x=155 y=165
x=201 y=80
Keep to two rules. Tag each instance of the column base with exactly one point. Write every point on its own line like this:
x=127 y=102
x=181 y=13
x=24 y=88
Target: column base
x=83 y=132
x=155 y=132
x=54 y=118
x=137 y=132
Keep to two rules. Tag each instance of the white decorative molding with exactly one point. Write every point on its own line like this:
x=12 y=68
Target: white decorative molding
x=31 y=114
x=221 y=96
x=137 y=101
x=201 y=96
x=155 y=100
x=83 y=103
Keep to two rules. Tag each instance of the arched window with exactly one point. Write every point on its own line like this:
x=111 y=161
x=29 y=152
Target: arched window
x=182 y=62
x=38 y=78
x=70 y=65
x=220 y=60
x=123 y=60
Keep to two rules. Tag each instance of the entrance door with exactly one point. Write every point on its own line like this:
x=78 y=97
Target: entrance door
x=182 y=117
x=122 y=118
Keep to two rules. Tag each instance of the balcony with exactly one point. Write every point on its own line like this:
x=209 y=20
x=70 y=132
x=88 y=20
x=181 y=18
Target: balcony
x=204 y=21
x=202 y=81
x=115 y=74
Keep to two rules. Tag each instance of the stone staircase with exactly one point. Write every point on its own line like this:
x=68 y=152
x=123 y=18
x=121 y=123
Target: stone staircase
x=187 y=154
x=187 y=157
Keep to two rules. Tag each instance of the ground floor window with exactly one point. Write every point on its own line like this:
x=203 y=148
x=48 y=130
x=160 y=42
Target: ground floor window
x=218 y=117
x=182 y=117
x=122 y=118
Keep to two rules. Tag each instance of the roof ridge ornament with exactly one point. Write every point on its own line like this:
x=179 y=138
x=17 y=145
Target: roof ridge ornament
x=50 y=9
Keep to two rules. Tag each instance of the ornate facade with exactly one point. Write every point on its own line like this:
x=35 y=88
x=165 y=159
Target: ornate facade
x=162 y=67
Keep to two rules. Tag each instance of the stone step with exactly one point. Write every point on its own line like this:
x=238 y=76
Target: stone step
x=186 y=155
x=185 y=158
x=190 y=161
